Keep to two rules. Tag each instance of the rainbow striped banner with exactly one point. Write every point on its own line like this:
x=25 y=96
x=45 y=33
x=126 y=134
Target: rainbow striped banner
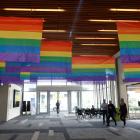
x=2 y=66
x=7 y=77
x=129 y=40
x=93 y=68
x=131 y=72
x=24 y=75
x=55 y=58
x=20 y=39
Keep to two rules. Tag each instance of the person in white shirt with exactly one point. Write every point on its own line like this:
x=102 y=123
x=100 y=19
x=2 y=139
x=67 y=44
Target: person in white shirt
x=104 y=111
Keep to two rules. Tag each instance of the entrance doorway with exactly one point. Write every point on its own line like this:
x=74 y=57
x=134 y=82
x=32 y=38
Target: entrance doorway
x=43 y=102
x=62 y=97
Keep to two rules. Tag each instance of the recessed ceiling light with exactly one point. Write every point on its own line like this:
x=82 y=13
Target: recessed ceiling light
x=34 y=10
x=98 y=38
x=107 y=30
x=111 y=20
x=99 y=44
x=54 y=31
x=124 y=10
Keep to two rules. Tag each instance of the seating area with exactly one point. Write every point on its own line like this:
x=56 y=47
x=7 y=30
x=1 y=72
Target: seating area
x=87 y=113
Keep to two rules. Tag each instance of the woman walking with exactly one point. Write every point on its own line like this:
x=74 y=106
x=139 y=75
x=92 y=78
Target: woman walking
x=123 y=111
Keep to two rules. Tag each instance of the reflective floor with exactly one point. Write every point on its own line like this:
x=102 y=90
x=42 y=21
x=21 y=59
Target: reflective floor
x=66 y=127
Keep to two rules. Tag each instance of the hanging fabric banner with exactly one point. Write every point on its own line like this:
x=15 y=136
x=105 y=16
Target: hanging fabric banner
x=129 y=40
x=93 y=68
x=20 y=39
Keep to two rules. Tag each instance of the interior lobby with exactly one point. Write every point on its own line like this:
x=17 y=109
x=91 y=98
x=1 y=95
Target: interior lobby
x=59 y=60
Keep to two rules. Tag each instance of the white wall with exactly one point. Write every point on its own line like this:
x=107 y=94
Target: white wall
x=13 y=112
x=3 y=102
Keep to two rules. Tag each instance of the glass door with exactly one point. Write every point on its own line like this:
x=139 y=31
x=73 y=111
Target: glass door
x=53 y=100
x=43 y=102
x=63 y=99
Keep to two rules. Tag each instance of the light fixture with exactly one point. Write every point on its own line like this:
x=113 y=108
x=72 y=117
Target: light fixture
x=111 y=20
x=54 y=31
x=99 y=44
x=98 y=38
x=124 y=10
x=107 y=30
x=34 y=10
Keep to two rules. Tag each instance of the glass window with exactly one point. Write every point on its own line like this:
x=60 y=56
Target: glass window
x=74 y=102
x=87 y=99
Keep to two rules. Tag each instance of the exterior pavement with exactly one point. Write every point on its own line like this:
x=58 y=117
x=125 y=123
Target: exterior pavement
x=66 y=127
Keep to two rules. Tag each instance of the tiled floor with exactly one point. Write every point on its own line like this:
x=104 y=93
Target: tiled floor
x=66 y=127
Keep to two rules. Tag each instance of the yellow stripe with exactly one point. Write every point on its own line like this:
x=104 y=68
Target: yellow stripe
x=60 y=54
x=132 y=69
x=2 y=64
x=26 y=73
x=20 y=35
x=129 y=37
x=88 y=66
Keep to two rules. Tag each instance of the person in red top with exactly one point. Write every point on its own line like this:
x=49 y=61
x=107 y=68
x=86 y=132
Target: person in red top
x=123 y=111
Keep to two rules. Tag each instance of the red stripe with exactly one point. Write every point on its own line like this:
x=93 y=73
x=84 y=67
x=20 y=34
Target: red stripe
x=56 y=46
x=128 y=28
x=93 y=60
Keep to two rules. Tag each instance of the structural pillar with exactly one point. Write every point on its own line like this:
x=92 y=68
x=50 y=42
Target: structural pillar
x=121 y=87
x=69 y=102
x=48 y=102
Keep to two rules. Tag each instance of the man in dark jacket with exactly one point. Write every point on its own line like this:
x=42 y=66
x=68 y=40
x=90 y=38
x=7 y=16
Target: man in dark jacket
x=111 y=113
x=123 y=111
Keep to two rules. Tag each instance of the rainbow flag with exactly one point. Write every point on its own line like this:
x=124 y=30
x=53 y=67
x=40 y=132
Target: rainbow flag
x=24 y=75
x=20 y=39
x=93 y=68
x=129 y=40
x=131 y=72
x=7 y=77
x=2 y=66
x=55 y=58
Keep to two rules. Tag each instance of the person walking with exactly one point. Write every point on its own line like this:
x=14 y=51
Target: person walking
x=104 y=111
x=111 y=111
x=57 y=107
x=123 y=111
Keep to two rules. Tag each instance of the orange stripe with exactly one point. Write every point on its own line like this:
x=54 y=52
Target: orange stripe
x=131 y=65
x=13 y=20
x=21 y=27
x=56 y=46
x=93 y=60
x=128 y=28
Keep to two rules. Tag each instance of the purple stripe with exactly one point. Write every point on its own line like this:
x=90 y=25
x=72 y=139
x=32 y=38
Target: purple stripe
x=10 y=79
x=132 y=80
x=130 y=59
x=19 y=57
x=37 y=69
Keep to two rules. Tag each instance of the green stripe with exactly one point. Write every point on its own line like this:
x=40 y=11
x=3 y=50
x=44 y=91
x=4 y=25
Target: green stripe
x=2 y=69
x=88 y=70
x=55 y=59
x=129 y=44
x=25 y=76
x=19 y=42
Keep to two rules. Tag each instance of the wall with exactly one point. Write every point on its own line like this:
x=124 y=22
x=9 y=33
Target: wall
x=13 y=112
x=3 y=102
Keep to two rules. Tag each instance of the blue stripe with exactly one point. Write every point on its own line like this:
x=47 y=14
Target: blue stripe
x=41 y=64
x=129 y=51
x=19 y=49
